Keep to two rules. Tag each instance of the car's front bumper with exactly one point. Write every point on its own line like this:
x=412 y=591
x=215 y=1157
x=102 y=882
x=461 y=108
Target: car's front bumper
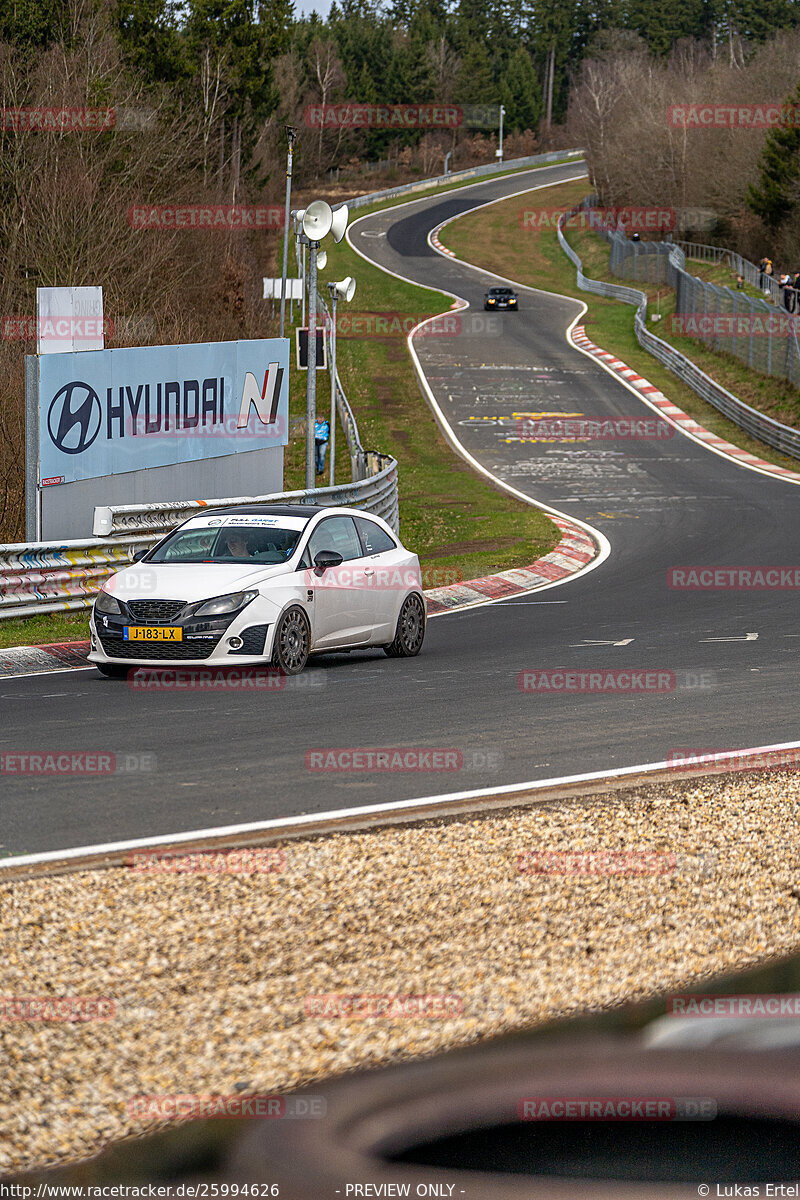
x=203 y=642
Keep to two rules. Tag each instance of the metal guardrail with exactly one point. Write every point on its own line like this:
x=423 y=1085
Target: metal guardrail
x=377 y=493
x=764 y=428
x=512 y=164
x=42 y=577
x=63 y=576
x=750 y=328
x=742 y=266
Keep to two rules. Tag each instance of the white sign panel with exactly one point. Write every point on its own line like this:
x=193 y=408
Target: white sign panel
x=112 y=411
x=69 y=319
x=272 y=289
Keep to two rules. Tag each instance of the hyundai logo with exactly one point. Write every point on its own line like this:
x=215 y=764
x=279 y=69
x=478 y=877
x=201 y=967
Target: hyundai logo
x=75 y=406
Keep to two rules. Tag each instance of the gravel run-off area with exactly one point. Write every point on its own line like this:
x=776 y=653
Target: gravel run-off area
x=210 y=974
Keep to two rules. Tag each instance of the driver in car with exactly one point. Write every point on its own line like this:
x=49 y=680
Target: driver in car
x=237 y=544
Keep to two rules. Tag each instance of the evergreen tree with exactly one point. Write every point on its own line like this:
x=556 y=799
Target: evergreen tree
x=472 y=25
x=775 y=197
x=555 y=43
x=753 y=20
x=33 y=23
x=664 y=24
x=521 y=93
x=151 y=42
x=475 y=79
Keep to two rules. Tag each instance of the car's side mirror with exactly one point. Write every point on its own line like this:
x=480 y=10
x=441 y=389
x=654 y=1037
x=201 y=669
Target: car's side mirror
x=325 y=559
x=139 y=555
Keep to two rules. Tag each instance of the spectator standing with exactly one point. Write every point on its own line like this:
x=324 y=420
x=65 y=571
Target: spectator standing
x=322 y=432
x=789 y=294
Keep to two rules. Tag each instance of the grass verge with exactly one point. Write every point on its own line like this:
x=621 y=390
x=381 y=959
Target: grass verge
x=44 y=628
x=490 y=238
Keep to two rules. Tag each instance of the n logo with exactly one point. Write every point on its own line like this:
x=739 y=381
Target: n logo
x=265 y=399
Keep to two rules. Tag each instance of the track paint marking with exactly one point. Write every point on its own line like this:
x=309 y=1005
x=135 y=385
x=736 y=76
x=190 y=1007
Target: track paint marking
x=397 y=806
x=748 y=637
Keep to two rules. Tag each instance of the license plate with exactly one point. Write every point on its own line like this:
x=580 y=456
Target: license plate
x=153 y=633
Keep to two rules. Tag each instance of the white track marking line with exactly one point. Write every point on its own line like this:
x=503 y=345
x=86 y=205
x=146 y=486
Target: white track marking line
x=600 y=538
x=373 y=809
x=56 y=671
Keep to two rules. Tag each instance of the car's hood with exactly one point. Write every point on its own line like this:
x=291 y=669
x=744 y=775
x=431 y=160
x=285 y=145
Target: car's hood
x=188 y=581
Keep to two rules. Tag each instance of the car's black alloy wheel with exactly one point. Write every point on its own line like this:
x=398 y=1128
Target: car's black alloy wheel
x=410 y=629
x=292 y=642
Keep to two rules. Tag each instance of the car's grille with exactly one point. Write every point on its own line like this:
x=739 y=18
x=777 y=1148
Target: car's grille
x=253 y=640
x=155 y=610
x=197 y=649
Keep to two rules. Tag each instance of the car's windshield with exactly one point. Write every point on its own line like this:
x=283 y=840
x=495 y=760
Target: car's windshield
x=500 y=292
x=237 y=543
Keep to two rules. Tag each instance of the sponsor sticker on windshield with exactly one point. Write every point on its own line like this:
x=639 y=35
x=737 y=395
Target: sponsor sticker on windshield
x=254 y=521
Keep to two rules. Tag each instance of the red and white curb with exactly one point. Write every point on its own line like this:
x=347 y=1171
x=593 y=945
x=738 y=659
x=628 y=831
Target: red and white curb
x=676 y=415
x=36 y=660
x=434 y=239
x=571 y=554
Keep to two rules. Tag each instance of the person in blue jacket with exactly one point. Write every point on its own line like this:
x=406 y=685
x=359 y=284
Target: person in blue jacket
x=322 y=432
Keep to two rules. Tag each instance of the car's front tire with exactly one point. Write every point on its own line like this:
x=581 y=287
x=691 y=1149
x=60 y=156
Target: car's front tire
x=292 y=642
x=410 y=631
x=112 y=670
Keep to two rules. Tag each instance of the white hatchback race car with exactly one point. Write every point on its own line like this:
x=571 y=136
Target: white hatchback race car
x=269 y=583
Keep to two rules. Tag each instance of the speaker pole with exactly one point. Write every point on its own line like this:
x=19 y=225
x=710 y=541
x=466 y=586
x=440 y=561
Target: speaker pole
x=292 y=136
x=303 y=318
x=334 y=298
x=311 y=393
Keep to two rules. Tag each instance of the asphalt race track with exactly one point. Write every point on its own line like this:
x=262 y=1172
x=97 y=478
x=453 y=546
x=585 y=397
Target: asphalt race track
x=214 y=759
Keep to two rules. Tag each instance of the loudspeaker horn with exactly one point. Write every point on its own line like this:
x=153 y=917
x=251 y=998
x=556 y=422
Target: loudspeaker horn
x=298 y=218
x=346 y=288
x=317 y=220
x=340 y=218
x=322 y=260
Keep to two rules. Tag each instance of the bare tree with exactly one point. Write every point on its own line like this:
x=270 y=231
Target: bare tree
x=328 y=75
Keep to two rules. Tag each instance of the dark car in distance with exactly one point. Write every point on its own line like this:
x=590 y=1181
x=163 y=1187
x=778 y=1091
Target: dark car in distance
x=500 y=297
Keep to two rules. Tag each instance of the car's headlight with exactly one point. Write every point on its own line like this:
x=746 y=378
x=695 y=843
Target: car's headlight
x=224 y=604
x=491 y=301
x=107 y=604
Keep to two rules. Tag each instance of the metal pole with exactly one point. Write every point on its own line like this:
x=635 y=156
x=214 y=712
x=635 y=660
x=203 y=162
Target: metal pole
x=33 y=524
x=292 y=136
x=333 y=390
x=299 y=271
x=311 y=394
x=502 y=111
x=305 y=289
